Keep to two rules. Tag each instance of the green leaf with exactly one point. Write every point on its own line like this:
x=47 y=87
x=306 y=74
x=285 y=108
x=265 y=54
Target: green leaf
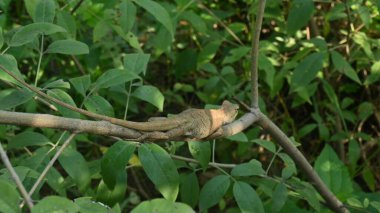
x=306 y=70
x=306 y=129
x=14 y=97
x=68 y=47
x=240 y=137
x=30 y=6
x=369 y=178
x=1 y=37
x=364 y=42
x=201 y=151
x=87 y=205
x=268 y=145
x=365 y=110
x=251 y=168
x=308 y=192
x=333 y=172
x=195 y=20
x=28 y=33
x=158 y=12
x=280 y=195
x=101 y=29
x=160 y=205
x=299 y=15
x=353 y=153
x=111 y=197
x=189 y=189
x=56 y=181
x=81 y=84
x=247 y=198
x=160 y=169
x=28 y=138
x=236 y=54
x=374 y=76
x=99 y=105
x=45 y=11
x=213 y=191
x=67 y=21
x=63 y=96
x=344 y=67
x=58 y=84
x=9 y=197
x=208 y=52
x=114 y=77
x=266 y=65
x=55 y=204
x=136 y=62
x=128 y=15
x=76 y=166
x=9 y=62
x=151 y=95
x=114 y=162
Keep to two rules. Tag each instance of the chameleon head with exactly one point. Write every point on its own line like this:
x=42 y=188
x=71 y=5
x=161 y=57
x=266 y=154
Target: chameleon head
x=230 y=111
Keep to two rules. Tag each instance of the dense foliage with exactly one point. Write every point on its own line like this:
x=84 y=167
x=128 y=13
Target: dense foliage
x=319 y=74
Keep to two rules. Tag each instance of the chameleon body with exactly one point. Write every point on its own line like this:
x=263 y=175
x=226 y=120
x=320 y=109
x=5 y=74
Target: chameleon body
x=192 y=123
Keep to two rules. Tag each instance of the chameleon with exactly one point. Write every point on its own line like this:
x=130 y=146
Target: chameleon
x=192 y=123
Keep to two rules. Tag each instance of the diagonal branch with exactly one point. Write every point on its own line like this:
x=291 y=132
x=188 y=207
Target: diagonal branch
x=15 y=177
x=280 y=137
x=255 y=54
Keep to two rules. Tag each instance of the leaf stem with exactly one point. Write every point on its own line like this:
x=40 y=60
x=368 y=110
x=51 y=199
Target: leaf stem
x=39 y=60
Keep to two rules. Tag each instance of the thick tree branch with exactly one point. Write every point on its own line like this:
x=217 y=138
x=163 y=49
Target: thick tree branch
x=69 y=124
x=255 y=53
x=15 y=177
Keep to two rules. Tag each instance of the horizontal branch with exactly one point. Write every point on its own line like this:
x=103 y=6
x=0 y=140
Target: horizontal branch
x=69 y=124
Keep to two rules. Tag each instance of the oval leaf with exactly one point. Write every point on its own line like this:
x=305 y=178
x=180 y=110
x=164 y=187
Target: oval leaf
x=9 y=197
x=27 y=33
x=76 y=166
x=114 y=162
x=9 y=62
x=68 y=47
x=333 y=172
x=99 y=105
x=251 y=168
x=81 y=84
x=247 y=198
x=150 y=94
x=189 y=189
x=158 y=12
x=55 y=204
x=45 y=11
x=160 y=169
x=114 y=77
x=213 y=191
x=28 y=138
x=162 y=206
x=14 y=98
x=299 y=14
x=306 y=70
x=201 y=151
x=63 y=96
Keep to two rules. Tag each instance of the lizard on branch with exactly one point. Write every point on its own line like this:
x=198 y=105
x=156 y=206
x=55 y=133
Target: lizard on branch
x=191 y=123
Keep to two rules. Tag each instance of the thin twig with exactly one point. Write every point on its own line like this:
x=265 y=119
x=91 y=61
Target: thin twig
x=222 y=165
x=221 y=22
x=76 y=6
x=50 y=164
x=15 y=177
x=255 y=53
